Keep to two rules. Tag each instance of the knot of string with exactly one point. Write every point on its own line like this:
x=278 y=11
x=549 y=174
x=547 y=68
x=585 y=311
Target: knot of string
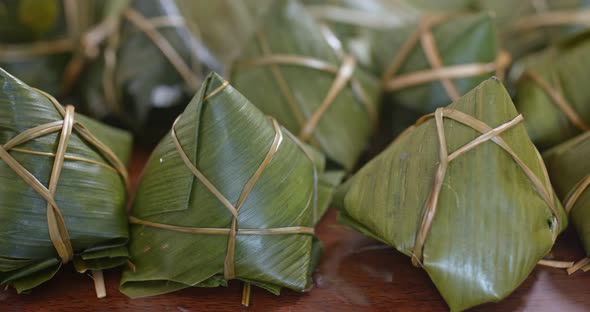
x=58 y=232
x=486 y=134
x=391 y=81
x=344 y=76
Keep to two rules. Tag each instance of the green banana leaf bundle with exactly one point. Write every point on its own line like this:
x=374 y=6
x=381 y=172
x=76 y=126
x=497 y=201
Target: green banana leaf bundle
x=551 y=92
x=224 y=25
x=38 y=37
x=63 y=193
x=471 y=203
x=291 y=71
x=569 y=169
x=527 y=26
x=148 y=66
x=427 y=65
x=227 y=194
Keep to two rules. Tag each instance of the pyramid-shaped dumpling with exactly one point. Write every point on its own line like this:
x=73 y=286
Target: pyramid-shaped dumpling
x=465 y=194
x=227 y=194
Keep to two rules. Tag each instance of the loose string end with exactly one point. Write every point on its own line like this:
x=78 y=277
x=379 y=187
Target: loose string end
x=583 y=265
x=99 y=285
x=131 y=266
x=246 y=290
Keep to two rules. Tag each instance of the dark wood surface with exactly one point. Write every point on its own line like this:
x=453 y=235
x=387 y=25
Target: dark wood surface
x=355 y=274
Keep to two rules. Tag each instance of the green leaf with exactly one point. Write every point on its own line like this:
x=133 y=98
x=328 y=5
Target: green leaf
x=7 y=264
x=558 y=67
x=24 y=281
x=226 y=138
x=490 y=227
x=218 y=31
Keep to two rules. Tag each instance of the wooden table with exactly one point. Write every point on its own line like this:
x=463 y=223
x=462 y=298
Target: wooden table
x=355 y=274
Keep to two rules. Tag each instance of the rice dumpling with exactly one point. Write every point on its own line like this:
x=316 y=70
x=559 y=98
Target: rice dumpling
x=63 y=193
x=150 y=65
x=227 y=194
x=471 y=204
x=38 y=38
x=291 y=71
x=569 y=169
x=425 y=66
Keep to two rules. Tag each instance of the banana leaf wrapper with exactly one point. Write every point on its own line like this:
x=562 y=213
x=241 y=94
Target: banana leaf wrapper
x=471 y=204
x=569 y=170
x=38 y=38
x=551 y=95
x=427 y=65
x=149 y=64
x=528 y=26
x=291 y=71
x=225 y=25
x=63 y=193
x=227 y=194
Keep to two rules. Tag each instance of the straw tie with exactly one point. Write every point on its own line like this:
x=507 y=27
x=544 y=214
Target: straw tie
x=58 y=232
x=343 y=77
x=487 y=134
x=233 y=231
x=558 y=99
x=391 y=81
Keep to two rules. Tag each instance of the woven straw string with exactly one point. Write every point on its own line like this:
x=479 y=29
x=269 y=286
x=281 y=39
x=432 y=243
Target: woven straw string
x=558 y=99
x=487 y=134
x=234 y=230
x=423 y=35
x=344 y=77
x=58 y=232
